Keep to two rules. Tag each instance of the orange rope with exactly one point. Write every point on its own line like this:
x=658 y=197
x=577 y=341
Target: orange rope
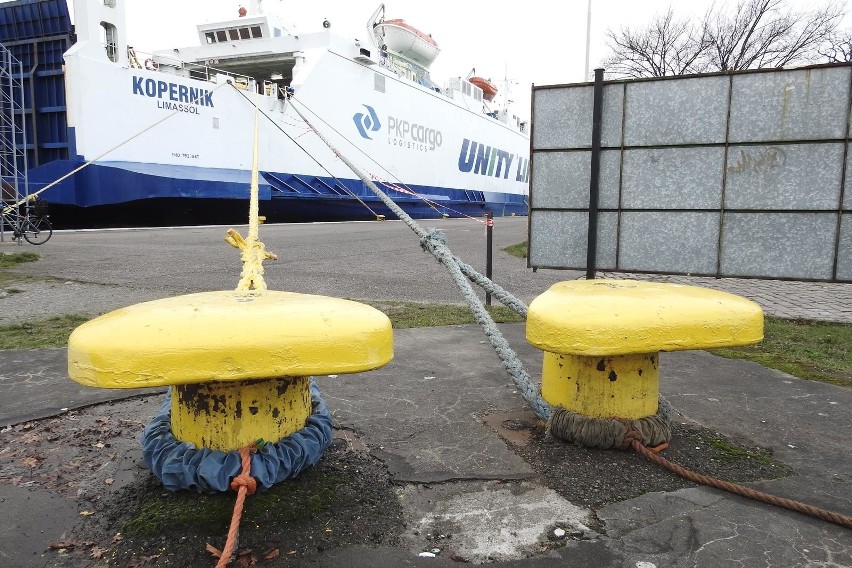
x=243 y=484
x=797 y=506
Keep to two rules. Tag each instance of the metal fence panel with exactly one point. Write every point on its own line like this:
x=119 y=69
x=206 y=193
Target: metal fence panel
x=669 y=241
x=808 y=104
x=733 y=174
x=562 y=109
x=785 y=176
x=672 y=178
x=786 y=245
x=844 y=265
x=567 y=174
x=558 y=239
x=693 y=113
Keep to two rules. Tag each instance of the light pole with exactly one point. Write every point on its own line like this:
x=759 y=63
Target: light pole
x=588 y=40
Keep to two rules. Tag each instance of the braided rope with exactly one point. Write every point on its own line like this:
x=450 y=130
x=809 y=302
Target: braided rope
x=244 y=484
x=85 y=165
x=609 y=433
x=252 y=250
x=435 y=242
x=499 y=294
x=797 y=506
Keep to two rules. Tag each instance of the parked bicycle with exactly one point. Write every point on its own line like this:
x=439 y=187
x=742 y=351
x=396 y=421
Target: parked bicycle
x=29 y=222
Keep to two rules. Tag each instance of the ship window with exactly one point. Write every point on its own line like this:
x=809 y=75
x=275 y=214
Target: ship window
x=244 y=33
x=277 y=32
x=255 y=31
x=109 y=3
x=379 y=83
x=220 y=35
x=477 y=94
x=211 y=37
x=108 y=38
x=234 y=33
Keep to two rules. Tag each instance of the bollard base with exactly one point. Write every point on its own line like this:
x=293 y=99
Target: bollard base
x=180 y=465
x=231 y=415
x=624 y=386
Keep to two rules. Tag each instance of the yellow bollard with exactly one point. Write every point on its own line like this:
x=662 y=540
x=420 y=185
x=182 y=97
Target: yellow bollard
x=240 y=362
x=601 y=339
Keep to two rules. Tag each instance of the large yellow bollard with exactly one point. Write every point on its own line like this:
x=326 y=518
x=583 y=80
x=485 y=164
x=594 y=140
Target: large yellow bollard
x=601 y=339
x=239 y=362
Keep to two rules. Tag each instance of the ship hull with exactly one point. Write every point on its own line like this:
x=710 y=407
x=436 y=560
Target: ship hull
x=142 y=135
x=141 y=194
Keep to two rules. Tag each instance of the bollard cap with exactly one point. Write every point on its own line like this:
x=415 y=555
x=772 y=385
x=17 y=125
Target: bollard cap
x=619 y=317
x=228 y=336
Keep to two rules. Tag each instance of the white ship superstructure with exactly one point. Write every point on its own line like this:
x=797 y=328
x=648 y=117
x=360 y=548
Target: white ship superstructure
x=179 y=124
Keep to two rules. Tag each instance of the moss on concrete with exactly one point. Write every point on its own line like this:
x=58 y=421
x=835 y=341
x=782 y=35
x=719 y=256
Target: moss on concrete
x=291 y=501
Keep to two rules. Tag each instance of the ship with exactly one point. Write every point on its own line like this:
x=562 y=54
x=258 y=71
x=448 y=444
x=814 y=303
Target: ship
x=169 y=136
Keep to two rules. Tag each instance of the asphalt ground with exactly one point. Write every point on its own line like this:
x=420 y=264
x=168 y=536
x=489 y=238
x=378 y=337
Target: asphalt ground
x=425 y=416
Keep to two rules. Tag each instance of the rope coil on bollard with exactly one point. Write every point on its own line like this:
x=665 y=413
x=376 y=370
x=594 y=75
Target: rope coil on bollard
x=611 y=433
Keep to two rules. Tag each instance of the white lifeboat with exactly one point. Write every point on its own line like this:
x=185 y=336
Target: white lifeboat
x=408 y=41
x=488 y=88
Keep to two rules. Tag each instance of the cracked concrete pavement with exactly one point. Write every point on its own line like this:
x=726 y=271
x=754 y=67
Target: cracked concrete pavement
x=425 y=415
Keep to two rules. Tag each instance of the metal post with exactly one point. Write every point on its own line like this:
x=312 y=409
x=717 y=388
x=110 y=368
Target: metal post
x=489 y=244
x=588 y=40
x=594 y=178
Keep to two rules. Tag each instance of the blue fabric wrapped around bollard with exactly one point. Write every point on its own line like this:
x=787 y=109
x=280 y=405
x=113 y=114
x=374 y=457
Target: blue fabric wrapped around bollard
x=180 y=465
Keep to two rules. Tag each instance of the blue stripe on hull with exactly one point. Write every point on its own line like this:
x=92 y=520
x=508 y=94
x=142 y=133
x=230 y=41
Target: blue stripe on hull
x=283 y=196
x=327 y=209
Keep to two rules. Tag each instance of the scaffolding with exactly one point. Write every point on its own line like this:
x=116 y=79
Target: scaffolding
x=13 y=132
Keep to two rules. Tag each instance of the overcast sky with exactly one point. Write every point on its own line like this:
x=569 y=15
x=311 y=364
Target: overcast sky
x=536 y=41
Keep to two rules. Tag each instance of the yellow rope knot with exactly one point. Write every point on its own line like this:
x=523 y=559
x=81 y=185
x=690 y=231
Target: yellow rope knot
x=253 y=253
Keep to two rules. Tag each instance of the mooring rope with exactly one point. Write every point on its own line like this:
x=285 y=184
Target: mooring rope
x=85 y=165
x=435 y=242
x=302 y=148
x=797 y=506
x=244 y=484
x=357 y=148
x=253 y=251
x=632 y=437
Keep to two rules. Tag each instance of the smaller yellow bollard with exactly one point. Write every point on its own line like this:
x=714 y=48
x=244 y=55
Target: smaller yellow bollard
x=239 y=362
x=601 y=339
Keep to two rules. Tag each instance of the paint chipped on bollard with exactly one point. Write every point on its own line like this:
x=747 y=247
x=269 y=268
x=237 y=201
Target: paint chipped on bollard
x=601 y=339
x=239 y=363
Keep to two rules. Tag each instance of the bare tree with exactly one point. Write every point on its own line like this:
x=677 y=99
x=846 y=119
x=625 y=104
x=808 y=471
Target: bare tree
x=755 y=34
x=838 y=47
x=767 y=33
x=666 y=46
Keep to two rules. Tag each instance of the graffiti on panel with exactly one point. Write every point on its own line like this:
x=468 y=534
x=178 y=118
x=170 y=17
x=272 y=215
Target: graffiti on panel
x=758 y=160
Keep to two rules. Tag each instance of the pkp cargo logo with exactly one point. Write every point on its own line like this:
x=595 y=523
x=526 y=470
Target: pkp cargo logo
x=367 y=122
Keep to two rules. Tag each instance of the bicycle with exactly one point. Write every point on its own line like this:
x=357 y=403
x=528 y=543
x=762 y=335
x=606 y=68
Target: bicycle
x=35 y=228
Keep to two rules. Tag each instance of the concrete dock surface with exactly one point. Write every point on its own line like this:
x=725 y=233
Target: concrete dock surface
x=442 y=418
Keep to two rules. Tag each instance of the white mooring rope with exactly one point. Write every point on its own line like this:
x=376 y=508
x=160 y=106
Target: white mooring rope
x=434 y=241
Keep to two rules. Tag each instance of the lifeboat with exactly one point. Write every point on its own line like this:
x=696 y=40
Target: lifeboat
x=488 y=88
x=408 y=41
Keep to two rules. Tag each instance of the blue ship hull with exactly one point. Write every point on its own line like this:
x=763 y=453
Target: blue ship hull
x=196 y=195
